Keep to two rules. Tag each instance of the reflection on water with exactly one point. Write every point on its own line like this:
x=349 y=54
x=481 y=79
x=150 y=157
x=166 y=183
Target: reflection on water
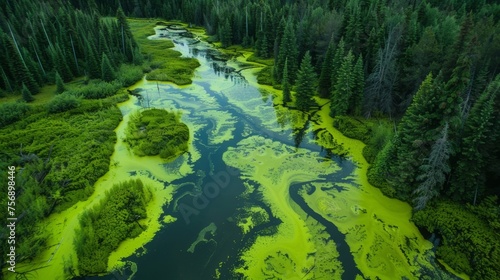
x=258 y=197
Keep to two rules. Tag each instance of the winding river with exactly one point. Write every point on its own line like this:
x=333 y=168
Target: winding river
x=265 y=191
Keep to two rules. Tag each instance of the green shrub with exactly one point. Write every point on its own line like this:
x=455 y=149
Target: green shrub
x=157 y=132
x=96 y=89
x=469 y=244
x=12 y=112
x=353 y=128
x=106 y=225
x=63 y=102
x=265 y=76
x=129 y=74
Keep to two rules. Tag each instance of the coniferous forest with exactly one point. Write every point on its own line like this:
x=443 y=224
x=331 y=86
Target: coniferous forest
x=415 y=81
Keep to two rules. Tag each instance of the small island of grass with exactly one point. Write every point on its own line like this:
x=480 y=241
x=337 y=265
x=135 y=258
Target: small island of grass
x=157 y=132
x=106 y=225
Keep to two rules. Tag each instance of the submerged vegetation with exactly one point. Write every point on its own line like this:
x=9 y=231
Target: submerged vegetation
x=417 y=81
x=157 y=132
x=106 y=225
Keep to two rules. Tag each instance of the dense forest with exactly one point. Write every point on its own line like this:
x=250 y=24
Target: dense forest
x=428 y=68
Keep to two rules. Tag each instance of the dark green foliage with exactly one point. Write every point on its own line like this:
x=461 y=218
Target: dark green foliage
x=12 y=112
x=288 y=52
x=325 y=79
x=352 y=128
x=59 y=84
x=96 y=89
x=358 y=89
x=93 y=69
x=287 y=95
x=344 y=86
x=433 y=172
x=58 y=38
x=417 y=131
x=306 y=84
x=107 y=71
x=265 y=76
x=115 y=218
x=470 y=245
x=59 y=158
x=26 y=94
x=157 y=132
x=225 y=34
x=62 y=103
x=470 y=173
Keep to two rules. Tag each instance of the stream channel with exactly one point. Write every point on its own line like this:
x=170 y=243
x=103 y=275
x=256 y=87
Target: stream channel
x=264 y=192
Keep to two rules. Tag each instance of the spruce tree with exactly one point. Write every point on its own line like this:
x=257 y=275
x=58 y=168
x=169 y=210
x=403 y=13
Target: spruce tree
x=358 y=88
x=59 y=84
x=325 y=78
x=433 y=171
x=93 y=69
x=416 y=131
x=107 y=72
x=337 y=61
x=469 y=176
x=344 y=86
x=27 y=94
x=287 y=52
x=287 y=96
x=306 y=84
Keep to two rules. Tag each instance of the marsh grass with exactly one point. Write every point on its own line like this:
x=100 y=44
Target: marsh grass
x=157 y=132
x=106 y=225
x=164 y=63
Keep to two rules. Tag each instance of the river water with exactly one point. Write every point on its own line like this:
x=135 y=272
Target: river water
x=264 y=192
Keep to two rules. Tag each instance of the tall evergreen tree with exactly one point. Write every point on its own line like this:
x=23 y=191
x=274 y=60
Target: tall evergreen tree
x=433 y=171
x=356 y=101
x=26 y=94
x=287 y=95
x=288 y=52
x=418 y=129
x=469 y=176
x=338 y=58
x=325 y=78
x=60 y=88
x=93 y=69
x=306 y=84
x=344 y=87
x=107 y=71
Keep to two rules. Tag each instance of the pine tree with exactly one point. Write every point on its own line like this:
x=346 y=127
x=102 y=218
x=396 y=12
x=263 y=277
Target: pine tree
x=226 y=34
x=469 y=176
x=344 y=87
x=358 y=89
x=124 y=29
x=288 y=52
x=59 y=84
x=337 y=62
x=93 y=69
x=18 y=68
x=354 y=27
x=416 y=133
x=27 y=94
x=325 y=78
x=287 y=96
x=433 y=171
x=261 y=44
x=306 y=82
x=107 y=72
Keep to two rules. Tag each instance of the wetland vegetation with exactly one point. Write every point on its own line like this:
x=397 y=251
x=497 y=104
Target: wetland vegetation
x=350 y=124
